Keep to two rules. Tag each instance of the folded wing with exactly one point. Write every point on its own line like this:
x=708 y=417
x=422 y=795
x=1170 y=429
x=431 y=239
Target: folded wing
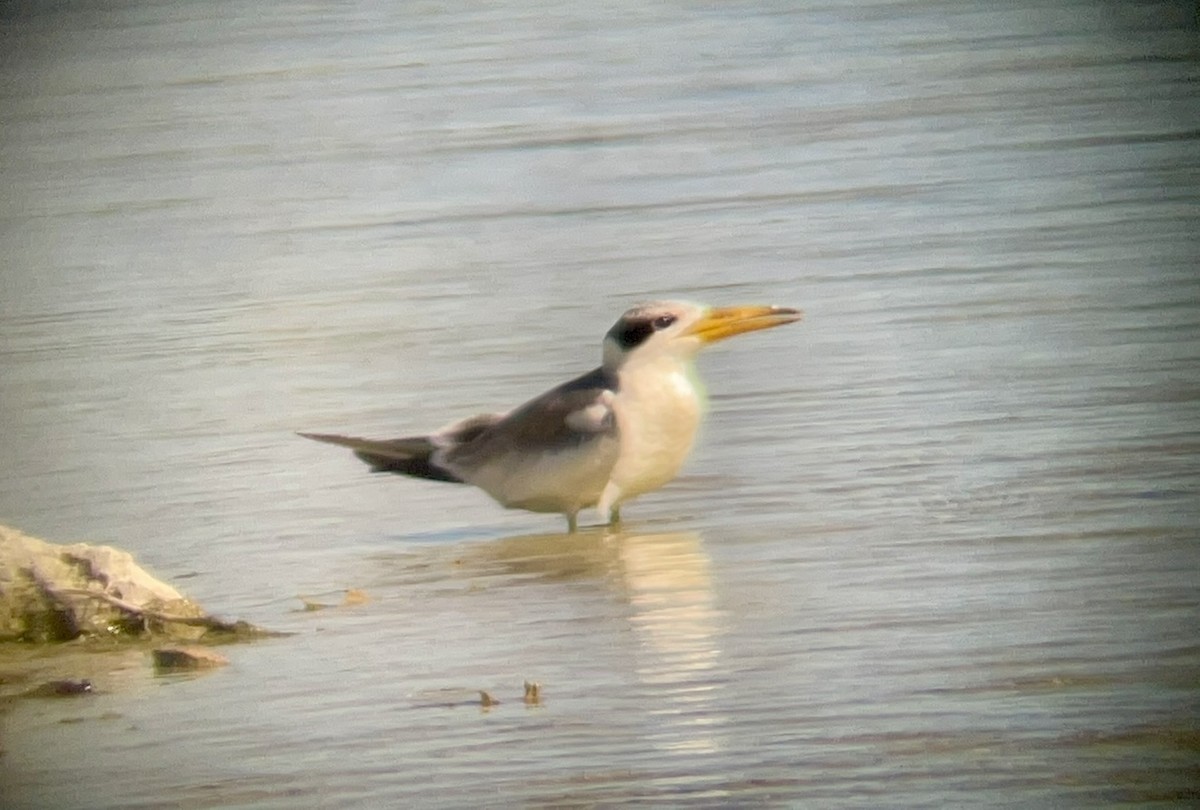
x=552 y=454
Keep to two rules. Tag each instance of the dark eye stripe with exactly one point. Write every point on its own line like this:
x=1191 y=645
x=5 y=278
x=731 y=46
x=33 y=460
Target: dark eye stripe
x=632 y=333
x=633 y=329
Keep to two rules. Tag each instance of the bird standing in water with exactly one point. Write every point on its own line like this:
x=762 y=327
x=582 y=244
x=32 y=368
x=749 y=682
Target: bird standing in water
x=601 y=439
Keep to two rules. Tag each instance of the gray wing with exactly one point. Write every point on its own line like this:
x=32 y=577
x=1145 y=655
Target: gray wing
x=553 y=454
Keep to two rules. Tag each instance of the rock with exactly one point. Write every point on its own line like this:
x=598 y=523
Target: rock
x=52 y=593
x=175 y=658
x=61 y=689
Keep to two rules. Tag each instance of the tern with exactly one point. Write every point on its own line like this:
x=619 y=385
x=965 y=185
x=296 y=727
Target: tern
x=601 y=439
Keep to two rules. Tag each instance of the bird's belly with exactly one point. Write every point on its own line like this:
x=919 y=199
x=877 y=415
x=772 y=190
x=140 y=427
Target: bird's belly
x=549 y=481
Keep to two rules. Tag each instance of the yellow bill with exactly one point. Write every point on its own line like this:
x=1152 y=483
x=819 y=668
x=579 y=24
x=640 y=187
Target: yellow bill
x=724 y=322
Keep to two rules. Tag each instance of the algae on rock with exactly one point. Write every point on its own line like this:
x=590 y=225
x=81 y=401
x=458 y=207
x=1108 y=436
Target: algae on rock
x=53 y=593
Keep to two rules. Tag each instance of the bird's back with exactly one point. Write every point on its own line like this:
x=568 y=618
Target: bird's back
x=552 y=454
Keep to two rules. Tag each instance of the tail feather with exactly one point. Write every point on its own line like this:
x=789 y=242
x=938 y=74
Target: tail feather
x=408 y=456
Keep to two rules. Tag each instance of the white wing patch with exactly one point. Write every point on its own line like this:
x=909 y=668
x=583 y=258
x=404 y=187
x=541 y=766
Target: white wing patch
x=595 y=418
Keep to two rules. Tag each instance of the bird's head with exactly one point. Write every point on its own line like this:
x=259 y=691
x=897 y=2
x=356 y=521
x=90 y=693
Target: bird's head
x=678 y=330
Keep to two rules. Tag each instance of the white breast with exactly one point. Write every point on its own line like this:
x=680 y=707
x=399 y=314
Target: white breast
x=658 y=409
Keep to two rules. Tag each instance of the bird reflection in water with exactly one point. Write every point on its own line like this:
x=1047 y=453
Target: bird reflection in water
x=666 y=582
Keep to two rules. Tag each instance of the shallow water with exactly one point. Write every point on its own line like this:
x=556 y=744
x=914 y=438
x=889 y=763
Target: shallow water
x=938 y=543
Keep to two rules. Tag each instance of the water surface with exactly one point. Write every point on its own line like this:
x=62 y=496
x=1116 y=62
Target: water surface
x=938 y=543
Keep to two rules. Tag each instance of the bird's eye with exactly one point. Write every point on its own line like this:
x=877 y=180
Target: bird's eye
x=663 y=321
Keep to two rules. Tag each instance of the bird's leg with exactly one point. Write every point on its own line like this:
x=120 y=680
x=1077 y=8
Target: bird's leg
x=614 y=516
x=572 y=523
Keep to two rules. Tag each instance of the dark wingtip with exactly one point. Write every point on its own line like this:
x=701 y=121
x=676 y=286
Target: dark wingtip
x=328 y=438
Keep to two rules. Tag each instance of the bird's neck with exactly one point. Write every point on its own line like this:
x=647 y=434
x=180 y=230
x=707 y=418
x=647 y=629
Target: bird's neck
x=665 y=379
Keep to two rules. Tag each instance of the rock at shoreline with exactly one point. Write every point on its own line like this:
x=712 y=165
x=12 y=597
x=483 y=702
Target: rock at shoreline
x=51 y=593
x=168 y=659
x=61 y=689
